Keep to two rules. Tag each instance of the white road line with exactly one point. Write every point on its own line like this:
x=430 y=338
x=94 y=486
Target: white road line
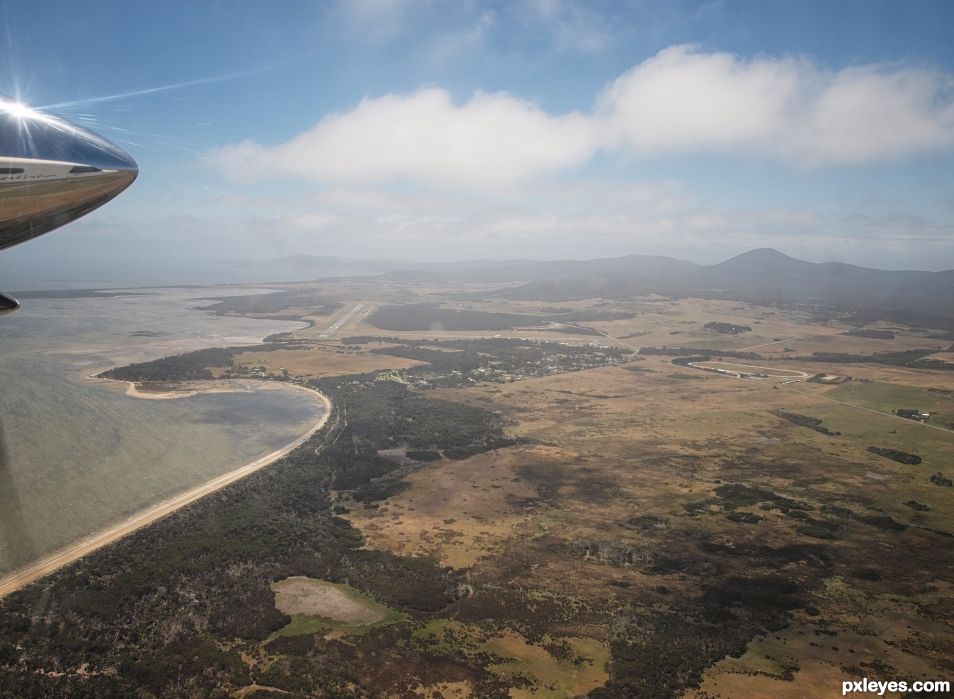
x=333 y=328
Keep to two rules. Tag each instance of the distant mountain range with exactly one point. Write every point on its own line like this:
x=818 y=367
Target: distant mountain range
x=308 y=263
x=763 y=275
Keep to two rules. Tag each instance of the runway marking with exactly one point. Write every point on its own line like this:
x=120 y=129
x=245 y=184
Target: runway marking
x=334 y=327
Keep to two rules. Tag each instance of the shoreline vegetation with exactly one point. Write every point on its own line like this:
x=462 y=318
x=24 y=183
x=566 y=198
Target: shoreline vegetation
x=539 y=518
x=146 y=612
x=36 y=570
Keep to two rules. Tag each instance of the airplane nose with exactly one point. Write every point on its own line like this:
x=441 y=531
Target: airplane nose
x=34 y=208
x=52 y=172
x=125 y=162
x=27 y=133
x=105 y=155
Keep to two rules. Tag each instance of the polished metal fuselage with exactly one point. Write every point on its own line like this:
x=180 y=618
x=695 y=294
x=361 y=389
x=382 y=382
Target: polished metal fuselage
x=42 y=199
x=52 y=172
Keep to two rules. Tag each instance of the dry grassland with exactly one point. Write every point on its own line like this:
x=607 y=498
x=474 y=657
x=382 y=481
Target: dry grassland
x=619 y=505
x=625 y=451
x=457 y=511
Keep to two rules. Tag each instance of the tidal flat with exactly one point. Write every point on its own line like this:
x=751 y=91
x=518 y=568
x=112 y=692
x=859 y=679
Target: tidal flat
x=78 y=454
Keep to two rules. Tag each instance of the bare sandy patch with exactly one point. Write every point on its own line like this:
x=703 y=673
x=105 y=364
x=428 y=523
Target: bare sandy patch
x=149 y=391
x=176 y=390
x=309 y=597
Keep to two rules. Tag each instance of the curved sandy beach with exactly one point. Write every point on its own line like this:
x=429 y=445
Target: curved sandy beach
x=136 y=390
x=186 y=389
x=35 y=571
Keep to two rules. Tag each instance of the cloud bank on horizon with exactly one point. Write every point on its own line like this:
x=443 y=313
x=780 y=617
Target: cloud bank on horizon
x=451 y=129
x=682 y=100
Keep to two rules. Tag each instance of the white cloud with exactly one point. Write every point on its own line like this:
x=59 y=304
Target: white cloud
x=679 y=101
x=683 y=101
x=867 y=113
x=787 y=108
x=493 y=140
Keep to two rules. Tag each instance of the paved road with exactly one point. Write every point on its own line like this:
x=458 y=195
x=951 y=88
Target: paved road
x=342 y=319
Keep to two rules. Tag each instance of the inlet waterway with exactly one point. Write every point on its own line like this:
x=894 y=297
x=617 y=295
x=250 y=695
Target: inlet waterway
x=78 y=454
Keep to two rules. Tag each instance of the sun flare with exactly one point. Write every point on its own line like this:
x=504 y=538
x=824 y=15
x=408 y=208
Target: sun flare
x=17 y=109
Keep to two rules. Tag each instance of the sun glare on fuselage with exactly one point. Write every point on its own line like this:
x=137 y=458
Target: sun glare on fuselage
x=17 y=109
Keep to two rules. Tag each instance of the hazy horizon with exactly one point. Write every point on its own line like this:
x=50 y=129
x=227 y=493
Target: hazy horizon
x=557 y=130
x=287 y=270
x=477 y=348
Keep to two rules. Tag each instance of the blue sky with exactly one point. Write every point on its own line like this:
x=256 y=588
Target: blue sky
x=541 y=128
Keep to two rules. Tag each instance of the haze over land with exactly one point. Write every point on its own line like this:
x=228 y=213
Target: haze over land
x=561 y=479
x=527 y=130
x=574 y=349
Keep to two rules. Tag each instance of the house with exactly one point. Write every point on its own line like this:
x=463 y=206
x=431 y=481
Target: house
x=913 y=414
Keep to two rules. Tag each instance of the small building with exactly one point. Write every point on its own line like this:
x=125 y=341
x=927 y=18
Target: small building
x=912 y=414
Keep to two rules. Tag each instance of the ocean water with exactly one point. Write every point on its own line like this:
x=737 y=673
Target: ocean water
x=78 y=454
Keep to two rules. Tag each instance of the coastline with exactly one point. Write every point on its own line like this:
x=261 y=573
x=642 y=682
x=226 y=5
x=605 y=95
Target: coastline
x=24 y=576
x=188 y=389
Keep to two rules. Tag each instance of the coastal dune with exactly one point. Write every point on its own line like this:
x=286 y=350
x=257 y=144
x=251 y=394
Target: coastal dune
x=38 y=569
